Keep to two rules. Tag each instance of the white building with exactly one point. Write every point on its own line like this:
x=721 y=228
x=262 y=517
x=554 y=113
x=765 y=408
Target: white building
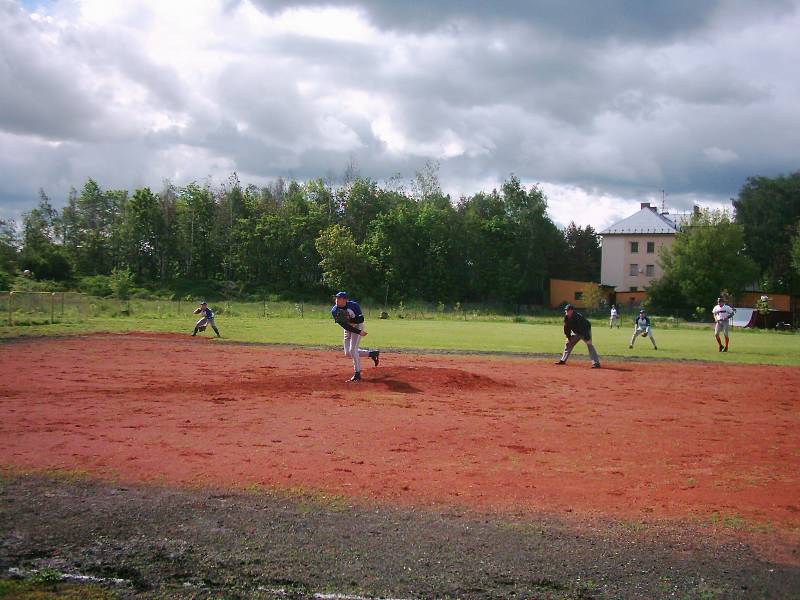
x=630 y=249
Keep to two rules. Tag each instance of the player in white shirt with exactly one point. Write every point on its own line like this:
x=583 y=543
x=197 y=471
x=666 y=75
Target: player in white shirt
x=722 y=314
x=614 y=317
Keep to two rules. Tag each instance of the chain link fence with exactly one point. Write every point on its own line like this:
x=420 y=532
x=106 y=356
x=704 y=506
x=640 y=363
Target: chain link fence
x=33 y=308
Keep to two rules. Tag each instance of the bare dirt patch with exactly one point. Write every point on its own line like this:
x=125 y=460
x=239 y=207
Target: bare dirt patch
x=694 y=443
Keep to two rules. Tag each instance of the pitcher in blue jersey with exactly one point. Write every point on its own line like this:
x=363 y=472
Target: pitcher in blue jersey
x=348 y=315
x=206 y=319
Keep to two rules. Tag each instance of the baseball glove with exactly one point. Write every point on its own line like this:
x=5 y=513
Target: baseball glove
x=201 y=328
x=644 y=334
x=341 y=316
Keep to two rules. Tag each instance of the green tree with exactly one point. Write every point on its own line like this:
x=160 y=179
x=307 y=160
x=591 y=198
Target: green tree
x=141 y=234
x=583 y=253
x=96 y=213
x=708 y=257
x=9 y=246
x=40 y=254
x=592 y=296
x=796 y=250
x=195 y=214
x=121 y=282
x=767 y=210
x=344 y=263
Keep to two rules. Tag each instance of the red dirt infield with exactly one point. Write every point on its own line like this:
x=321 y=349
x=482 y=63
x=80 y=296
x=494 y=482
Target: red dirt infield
x=631 y=440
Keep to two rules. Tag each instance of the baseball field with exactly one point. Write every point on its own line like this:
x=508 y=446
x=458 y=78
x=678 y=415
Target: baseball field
x=171 y=466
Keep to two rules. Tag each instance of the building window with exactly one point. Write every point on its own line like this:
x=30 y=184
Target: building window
x=634 y=247
x=651 y=247
x=634 y=270
x=634 y=289
x=578 y=295
x=650 y=270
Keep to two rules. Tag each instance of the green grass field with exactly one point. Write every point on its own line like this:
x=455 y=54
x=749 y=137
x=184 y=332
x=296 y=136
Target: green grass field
x=533 y=336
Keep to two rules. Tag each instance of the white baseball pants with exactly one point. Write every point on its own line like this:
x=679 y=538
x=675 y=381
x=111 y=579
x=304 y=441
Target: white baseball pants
x=351 y=349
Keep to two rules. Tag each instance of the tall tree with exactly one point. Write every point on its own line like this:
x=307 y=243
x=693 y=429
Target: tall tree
x=141 y=233
x=583 y=253
x=796 y=250
x=9 y=246
x=195 y=215
x=344 y=262
x=40 y=253
x=768 y=209
x=537 y=242
x=95 y=214
x=708 y=258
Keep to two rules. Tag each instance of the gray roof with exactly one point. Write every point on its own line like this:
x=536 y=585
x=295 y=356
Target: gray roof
x=644 y=221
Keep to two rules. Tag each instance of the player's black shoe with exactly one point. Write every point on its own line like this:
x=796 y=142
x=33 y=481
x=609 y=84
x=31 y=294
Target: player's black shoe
x=354 y=378
x=375 y=355
x=724 y=349
x=596 y=365
x=560 y=362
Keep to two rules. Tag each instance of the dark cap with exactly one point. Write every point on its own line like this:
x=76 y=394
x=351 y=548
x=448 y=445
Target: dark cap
x=568 y=307
x=641 y=311
x=203 y=302
x=341 y=295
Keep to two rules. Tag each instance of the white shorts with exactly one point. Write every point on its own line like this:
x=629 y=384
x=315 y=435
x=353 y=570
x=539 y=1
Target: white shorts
x=721 y=327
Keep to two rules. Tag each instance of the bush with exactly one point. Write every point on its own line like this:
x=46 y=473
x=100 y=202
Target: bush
x=27 y=284
x=121 y=282
x=5 y=281
x=96 y=285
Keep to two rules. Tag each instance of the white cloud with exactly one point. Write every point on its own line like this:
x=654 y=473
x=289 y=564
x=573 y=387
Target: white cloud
x=720 y=155
x=607 y=110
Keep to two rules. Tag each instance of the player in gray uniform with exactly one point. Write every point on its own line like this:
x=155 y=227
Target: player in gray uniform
x=641 y=326
x=577 y=328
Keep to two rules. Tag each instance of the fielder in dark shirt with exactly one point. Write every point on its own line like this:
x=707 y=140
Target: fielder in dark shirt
x=576 y=328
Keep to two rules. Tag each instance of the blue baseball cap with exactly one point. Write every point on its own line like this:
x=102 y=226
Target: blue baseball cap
x=341 y=294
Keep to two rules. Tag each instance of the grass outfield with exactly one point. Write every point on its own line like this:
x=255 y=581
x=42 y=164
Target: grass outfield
x=695 y=343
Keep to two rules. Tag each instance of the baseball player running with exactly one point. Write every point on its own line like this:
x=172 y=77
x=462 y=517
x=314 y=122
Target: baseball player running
x=641 y=326
x=207 y=319
x=722 y=314
x=348 y=314
x=577 y=328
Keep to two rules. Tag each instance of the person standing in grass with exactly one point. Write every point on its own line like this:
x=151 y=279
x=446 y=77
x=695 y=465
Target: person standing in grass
x=641 y=326
x=722 y=314
x=577 y=328
x=206 y=319
x=614 y=317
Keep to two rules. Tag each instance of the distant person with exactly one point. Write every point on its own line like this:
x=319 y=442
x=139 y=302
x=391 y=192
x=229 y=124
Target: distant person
x=614 y=317
x=641 y=326
x=206 y=319
x=576 y=328
x=347 y=313
x=722 y=314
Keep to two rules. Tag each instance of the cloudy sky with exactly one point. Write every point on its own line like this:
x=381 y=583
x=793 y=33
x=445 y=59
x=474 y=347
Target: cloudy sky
x=604 y=103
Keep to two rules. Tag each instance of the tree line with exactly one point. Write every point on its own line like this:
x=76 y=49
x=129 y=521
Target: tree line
x=383 y=242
